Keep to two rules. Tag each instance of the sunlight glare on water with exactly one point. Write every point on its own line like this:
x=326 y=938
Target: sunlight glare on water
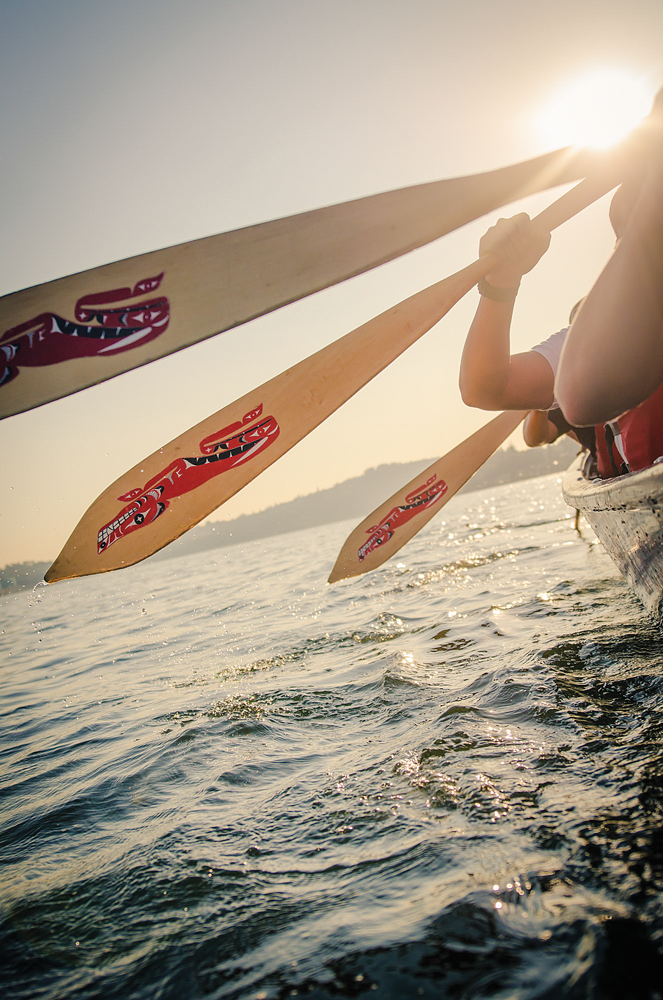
x=225 y=778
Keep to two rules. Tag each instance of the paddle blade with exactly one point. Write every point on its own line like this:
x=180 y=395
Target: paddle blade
x=183 y=482
x=65 y=335
x=398 y=519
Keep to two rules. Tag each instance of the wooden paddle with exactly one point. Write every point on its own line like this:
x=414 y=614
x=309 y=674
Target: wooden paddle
x=177 y=486
x=398 y=519
x=64 y=335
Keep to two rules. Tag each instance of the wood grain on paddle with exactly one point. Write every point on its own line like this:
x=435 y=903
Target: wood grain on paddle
x=297 y=400
x=210 y=285
x=177 y=486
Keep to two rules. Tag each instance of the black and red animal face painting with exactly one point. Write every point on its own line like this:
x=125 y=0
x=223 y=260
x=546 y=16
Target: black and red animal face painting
x=97 y=331
x=223 y=450
x=420 y=499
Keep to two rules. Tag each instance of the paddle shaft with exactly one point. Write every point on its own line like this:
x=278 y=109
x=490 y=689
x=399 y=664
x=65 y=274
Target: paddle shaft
x=297 y=401
x=212 y=284
x=398 y=519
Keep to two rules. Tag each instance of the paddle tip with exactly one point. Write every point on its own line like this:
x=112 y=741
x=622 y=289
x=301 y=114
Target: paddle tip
x=52 y=574
x=343 y=571
x=62 y=569
x=338 y=573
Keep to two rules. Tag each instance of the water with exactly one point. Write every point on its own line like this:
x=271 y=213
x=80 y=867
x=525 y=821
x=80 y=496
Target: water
x=223 y=778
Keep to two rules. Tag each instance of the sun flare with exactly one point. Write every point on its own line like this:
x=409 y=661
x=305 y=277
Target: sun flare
x=596 y=109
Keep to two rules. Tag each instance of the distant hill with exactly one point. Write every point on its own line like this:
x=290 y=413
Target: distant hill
x=17 y=576
x=354 y=498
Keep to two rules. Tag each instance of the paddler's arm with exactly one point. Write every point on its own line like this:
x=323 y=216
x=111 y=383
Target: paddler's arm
x=491 y=378
x=613 y=355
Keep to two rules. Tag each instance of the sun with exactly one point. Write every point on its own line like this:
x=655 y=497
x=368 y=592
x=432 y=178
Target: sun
x=596 y=109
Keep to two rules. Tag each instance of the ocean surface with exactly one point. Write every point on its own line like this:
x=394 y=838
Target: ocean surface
x=222 y=777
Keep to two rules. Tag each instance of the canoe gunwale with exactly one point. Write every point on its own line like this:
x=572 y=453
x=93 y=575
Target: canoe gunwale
x=626 y=513
x=631 y=491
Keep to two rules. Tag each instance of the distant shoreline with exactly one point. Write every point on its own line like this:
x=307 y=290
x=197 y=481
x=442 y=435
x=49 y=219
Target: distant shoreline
x=353 y=498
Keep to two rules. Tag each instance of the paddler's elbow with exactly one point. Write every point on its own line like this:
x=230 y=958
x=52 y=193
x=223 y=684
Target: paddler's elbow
x=582 y=408
x=606 y=396
x=586 y=397
x=575 y=412
x=577 y=401
x=481 y=397
x=533 y=439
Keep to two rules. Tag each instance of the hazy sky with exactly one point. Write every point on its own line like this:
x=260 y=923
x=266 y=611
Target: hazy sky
x=129 y=125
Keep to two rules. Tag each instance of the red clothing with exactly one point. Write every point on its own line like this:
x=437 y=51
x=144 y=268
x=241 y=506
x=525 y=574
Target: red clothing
x=641 y=431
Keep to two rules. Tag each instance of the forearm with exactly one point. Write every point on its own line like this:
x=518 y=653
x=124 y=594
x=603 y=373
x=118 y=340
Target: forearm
x=491 y=378
x=484 y=367
x=613 y=356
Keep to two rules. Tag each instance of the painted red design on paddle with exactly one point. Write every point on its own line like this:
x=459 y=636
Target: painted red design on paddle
x=420 y=499
x=97 y=331
x=223 y=450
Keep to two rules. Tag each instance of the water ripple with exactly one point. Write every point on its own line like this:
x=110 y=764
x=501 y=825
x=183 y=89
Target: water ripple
x=223 y=778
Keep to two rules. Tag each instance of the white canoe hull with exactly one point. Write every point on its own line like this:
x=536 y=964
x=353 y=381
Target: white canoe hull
x=627 y=515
